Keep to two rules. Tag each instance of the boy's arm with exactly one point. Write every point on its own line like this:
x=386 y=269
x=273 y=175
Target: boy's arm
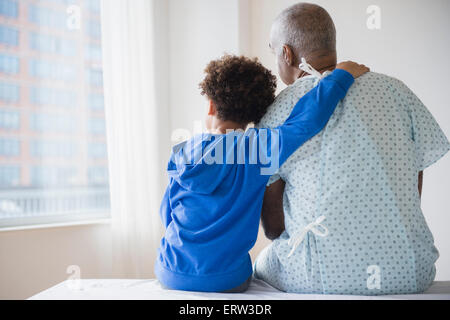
x=165 y=211
x=312 y=112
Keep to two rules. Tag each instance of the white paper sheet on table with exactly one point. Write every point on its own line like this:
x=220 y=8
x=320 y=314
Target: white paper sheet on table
x=114 y=289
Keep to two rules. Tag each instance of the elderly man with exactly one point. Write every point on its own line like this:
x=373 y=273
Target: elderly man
x=344 y=210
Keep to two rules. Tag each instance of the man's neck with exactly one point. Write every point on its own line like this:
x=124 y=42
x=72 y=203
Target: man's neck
x=327 y=68
x=321 y=64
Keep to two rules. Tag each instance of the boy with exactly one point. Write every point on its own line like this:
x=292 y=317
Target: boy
x=212 y=206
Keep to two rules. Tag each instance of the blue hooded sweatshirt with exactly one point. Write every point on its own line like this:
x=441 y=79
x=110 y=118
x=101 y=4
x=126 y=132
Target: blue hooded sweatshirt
x=212 y=205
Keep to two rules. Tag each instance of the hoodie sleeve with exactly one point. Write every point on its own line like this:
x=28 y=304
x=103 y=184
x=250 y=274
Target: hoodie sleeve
x=165 y=210
x=312 y=112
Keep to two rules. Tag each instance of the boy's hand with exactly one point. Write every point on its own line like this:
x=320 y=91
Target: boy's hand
x=354 y=68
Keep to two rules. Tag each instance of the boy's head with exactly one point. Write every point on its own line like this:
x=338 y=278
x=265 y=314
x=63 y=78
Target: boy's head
x=239 y=90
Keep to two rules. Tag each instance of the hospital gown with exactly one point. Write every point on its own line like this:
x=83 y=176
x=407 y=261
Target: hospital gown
x=361 y=174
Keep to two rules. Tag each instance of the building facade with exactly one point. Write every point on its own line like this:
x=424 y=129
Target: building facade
x=52 y=121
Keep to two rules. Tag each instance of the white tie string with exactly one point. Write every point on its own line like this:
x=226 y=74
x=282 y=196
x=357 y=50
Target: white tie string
x=297 y=239
x=305 y=66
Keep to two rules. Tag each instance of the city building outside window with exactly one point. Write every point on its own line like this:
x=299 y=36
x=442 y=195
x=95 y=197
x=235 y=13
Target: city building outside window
x=53 y=151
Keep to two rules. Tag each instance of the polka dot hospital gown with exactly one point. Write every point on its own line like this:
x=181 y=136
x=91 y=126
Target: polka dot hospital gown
x=361 y=173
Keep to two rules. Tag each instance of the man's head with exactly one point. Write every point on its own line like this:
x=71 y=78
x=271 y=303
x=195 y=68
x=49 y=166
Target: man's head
x=239 y=90
x=302 y=30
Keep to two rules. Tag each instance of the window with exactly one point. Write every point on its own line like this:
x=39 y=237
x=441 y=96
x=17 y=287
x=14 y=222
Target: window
x=68 y=2
x=9 y=8
x=46 y=69
x=95 y=77
x=51 y=176
x=53 y=151
x=52 y=123
x=51 y=44
x=9 y=92
x=97 y=126
x=94 y=53
x=93 y=5
x=9 y=147
x=9 y=64
x=97 y=150
x=41 y=96
x=94 y=29
x=56 y=149
x=9 y=177
x=9 y=36
x=9 y=120
x=98 y=175
x=96 y=102
x=47 y=17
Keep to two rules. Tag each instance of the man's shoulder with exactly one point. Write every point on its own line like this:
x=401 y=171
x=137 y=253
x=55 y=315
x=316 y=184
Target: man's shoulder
x=281 y=108
x=373 y=83
x=296 y=90
x=374 y=79
x=285 y=101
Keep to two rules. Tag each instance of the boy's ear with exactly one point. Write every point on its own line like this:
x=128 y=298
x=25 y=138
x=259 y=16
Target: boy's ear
x=212 y=111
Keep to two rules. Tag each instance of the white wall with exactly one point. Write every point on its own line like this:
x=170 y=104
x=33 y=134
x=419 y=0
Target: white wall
x=34 y=260
x=200 y=30
x=413 y=45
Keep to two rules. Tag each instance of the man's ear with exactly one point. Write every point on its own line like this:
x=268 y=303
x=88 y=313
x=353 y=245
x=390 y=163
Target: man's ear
x=212 y=111
x=288 y=55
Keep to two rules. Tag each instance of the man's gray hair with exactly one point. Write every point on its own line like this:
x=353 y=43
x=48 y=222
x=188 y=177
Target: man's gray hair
x=306 y=28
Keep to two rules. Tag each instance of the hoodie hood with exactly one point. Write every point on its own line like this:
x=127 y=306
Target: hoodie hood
x=198 y=164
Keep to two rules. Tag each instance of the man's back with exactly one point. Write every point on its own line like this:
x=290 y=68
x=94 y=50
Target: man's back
x=361 y=174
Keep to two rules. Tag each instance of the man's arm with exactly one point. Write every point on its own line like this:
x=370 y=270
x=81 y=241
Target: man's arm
x=272 y=214
x=420 y=183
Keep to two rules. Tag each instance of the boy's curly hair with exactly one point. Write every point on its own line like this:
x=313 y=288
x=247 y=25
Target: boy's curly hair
x=241 y=88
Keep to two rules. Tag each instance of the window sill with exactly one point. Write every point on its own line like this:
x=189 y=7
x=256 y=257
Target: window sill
x=101 y=221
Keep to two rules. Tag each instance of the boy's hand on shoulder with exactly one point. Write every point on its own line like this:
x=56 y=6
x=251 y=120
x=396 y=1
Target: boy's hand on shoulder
x=355 y=69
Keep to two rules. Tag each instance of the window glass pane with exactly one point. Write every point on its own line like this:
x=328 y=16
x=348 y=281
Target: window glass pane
x=9 y=64
x=9 y=120
x=9 y=8
x=53 y=151
x=9 y=36
x=51 y=44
